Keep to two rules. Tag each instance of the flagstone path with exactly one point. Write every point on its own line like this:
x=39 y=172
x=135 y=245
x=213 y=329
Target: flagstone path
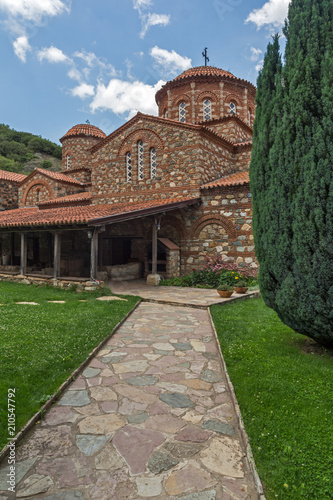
x=150 y=417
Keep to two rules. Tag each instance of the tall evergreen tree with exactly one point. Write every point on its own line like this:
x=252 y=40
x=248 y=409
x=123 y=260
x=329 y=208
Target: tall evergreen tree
x=291 y=173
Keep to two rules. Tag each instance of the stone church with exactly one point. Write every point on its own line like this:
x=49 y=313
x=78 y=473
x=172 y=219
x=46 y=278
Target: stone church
x=156 y=196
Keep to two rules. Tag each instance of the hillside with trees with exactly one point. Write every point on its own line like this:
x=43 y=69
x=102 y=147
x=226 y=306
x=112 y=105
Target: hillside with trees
x=21 y=152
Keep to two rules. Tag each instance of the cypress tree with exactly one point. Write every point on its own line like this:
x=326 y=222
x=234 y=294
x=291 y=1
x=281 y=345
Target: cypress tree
x=291 y=173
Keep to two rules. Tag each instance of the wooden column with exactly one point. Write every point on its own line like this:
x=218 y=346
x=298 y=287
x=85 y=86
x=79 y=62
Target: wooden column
x=154 y=247
x=93 y=254
x=23 y=254
x=56 y=255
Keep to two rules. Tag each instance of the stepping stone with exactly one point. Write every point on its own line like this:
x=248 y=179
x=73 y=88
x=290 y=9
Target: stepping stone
x=194 y=434
x=205 y=495
x=89 y=445
x=66 y=495
x=28 y=303
x=34 y=485
x=176 y=400
x=145 y=443
x=101 y=424
x=142 y=381
x=163 y=346
x=138 y=418
x=149 y=486
x=224 y=456
x=91 y=372
x=56 y=301
x=182 y=450
x=189 y=479
x=211 y=376
x=21 y=470
x=182 y=346
x=217 y=426
x=160 y=462
x=75 y=398
x=111 y=297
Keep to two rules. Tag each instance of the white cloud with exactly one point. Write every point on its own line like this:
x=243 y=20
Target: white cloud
x=121 y=97
x=92 y=61
x=33 y=10
x=19 y=15
x=149 y=19
x=171 y=62
x=53 y=55
x=153 y=20
x=259 y=66
x=272 y=13
x=21 y=47
x=74 y=74
x=83 y=91
x=255 y=54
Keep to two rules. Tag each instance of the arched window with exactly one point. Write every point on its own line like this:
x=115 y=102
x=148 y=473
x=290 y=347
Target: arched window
x=140 y=160
x=233 y=108
x=38 y=195
x=129 y=166
x=152 y=163
x=182 y=112
x=68 y=162
x=207 y=109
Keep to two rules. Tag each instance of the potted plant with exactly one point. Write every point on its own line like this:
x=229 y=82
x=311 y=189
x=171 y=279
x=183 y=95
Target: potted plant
x=225 y=291
x=241 y=287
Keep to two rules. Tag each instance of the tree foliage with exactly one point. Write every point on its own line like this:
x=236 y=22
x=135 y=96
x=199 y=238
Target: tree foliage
x=291 y=172
x=17 y=148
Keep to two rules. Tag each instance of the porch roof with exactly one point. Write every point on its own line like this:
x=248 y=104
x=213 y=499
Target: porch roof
x=88 y=215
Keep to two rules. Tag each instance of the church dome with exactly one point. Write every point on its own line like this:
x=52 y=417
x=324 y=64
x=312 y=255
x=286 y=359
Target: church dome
x=203 y=71
x=85 y=129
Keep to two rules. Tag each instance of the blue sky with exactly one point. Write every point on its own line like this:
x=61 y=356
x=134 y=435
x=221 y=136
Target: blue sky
x=64 y=62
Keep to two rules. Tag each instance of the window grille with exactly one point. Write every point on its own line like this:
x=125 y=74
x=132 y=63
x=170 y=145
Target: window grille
x=68 y=162
x=207 y=109
x=129 y=166
x=152 y=163
x=182 y=112
x=232 y=108
x=140 y=160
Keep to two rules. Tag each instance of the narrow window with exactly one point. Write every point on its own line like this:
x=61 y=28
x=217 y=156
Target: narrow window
x=129 y=166
x=182 y=112
x=152 y=163
x=232 y=108
x=140 y=160
x=207 y=109
x=68 y=162
x=38 y=195
x=250 y=116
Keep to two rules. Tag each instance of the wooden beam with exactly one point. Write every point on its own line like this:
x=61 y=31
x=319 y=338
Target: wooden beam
x=57 y=255
x=93 y=254
x=154 y=247
x=23 y=254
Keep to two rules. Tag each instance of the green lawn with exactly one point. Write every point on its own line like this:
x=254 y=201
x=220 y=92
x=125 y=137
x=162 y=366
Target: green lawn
x=284 y=386
x=41 y=345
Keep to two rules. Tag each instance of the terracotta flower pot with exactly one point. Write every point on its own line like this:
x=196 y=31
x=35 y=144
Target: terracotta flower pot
x=240 y=289
x=225 y=293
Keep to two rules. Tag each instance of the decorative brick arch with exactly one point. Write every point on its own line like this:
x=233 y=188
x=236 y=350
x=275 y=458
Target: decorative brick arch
x=232 y=97
x=33 y=184
x=137 y=135
x=180 y=98
x=171 y=220
x=206 y=220
x=207 y=94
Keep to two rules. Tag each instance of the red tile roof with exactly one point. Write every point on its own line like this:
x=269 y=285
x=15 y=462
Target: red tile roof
x=84 y=129
x=11 y=176
x=58 y=176
x=34 y=217
x=203 y=71
x=67 y=200
x=230 y=180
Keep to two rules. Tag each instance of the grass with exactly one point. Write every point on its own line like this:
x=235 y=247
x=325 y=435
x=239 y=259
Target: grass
x=284 y=386
x=41 y=345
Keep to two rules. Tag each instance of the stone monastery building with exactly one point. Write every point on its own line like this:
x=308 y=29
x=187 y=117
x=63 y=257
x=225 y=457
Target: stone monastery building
x=157 y=195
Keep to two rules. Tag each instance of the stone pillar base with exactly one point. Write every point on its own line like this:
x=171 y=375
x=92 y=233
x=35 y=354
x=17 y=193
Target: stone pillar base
x=153 y=279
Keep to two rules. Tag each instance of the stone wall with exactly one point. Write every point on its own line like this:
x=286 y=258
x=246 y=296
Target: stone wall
x=40 y=188
x=232 y=129
x=8 y=195
x=78 y=150
x=186 y=159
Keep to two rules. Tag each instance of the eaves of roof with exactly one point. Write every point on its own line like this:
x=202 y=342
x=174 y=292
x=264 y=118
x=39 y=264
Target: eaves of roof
x=57 y=176
x=11 y=176
x=238 y=178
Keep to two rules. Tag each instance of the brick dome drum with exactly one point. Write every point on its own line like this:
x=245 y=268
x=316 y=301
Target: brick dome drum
x=206 y=93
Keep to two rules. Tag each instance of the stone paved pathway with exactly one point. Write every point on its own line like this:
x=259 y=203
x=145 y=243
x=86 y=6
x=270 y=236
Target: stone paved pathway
x=150 y=417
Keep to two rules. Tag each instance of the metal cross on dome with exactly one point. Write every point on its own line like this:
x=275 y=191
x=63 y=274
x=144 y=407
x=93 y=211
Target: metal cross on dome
x=204 y=54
